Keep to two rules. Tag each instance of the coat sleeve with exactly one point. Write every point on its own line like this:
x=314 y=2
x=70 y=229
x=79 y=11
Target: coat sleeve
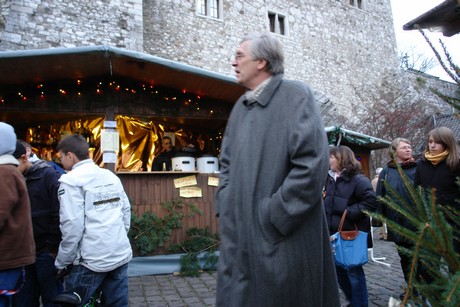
x=72 y=216
x=381 y=191
x=224 y=164
x=417 y=180
x=126 y=211
x=12 y=190
x=363 y=198
x=308 y=153
x=52 y=182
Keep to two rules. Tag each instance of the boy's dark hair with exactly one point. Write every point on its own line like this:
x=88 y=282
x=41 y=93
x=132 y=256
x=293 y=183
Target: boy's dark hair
x=20 y=150
x=74 y=143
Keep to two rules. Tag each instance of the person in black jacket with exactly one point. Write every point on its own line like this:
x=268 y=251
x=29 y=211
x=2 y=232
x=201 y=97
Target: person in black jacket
x=162 y=161
x=439 y=169
x=42 y=186
x=400 y=153
x=347 y=188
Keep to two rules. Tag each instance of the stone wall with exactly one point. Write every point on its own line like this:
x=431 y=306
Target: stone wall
x=422 y=85
x=41 y=24
x=345 y=53
x=336 y=48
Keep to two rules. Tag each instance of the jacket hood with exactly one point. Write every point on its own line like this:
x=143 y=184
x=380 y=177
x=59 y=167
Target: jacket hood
x=8 y=137
x=344 y=175
x=406 y=164
x=38 y=164
x=8 y=159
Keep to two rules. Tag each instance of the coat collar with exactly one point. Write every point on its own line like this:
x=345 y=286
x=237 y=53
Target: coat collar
x=343 y=176
x=265 y=97
x=8 y=159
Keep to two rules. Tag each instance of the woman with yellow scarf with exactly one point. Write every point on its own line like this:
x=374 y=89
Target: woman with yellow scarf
x=439 y=168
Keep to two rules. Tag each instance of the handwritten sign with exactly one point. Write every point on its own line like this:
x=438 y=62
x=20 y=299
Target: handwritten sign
x=110 y=141
x=213 y=181
x=185 y=181
x=188 y=192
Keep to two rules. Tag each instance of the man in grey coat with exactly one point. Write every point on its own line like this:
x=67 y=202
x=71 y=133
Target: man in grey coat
x=275 y=247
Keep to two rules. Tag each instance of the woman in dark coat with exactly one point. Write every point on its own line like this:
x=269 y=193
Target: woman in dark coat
x=400 y=153
x=439 y=168
x=347 y=189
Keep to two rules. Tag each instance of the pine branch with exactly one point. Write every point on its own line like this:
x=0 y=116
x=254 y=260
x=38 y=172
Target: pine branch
x=438 y=56
x=431 y=228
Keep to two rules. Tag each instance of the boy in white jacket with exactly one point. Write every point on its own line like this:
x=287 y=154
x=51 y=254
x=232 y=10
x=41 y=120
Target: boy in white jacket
x=94 y=220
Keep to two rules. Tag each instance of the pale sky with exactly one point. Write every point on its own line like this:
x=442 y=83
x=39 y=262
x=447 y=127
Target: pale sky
x=406 y=10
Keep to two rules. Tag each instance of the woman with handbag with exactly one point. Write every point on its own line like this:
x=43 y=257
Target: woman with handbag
x=347 y=189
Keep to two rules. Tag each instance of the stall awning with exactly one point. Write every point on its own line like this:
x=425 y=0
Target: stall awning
x=339 y=135
x=35 y=66
x=445 y=18
x=451 y=121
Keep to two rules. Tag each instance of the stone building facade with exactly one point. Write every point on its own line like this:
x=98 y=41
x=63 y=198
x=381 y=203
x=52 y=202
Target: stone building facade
x=344 y=49
x=41 y=24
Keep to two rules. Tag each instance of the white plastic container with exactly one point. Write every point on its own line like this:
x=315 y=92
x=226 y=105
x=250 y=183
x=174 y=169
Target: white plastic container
x=207 y=164
x=183 y=164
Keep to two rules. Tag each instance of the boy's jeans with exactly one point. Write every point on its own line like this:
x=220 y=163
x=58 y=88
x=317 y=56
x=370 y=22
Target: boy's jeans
x=114 y=285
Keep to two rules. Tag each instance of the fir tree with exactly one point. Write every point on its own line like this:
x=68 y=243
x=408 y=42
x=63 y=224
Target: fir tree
x=432 y=230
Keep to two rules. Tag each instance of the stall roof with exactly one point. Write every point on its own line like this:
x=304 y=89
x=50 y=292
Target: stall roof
x=445 y=17
x=451 y=121
x=356 y=138
x=40 y=65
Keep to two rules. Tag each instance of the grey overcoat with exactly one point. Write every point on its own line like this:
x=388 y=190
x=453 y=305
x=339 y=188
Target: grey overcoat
x=275 y=243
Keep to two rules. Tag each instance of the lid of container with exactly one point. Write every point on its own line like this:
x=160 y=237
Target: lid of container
x=207 y=156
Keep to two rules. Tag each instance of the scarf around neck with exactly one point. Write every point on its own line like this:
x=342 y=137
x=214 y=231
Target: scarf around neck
x=252 y=96
x=404 y=164
x=435 y=159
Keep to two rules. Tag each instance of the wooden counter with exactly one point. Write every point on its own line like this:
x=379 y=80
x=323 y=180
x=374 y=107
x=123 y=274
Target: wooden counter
x=147 y=190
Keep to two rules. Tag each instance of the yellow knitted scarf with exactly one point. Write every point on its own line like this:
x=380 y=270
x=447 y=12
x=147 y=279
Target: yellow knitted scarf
x=435 y=159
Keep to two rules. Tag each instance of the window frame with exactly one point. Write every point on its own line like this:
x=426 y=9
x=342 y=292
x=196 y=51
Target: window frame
x=209 y=10
x=280 y=23
x=360 y=4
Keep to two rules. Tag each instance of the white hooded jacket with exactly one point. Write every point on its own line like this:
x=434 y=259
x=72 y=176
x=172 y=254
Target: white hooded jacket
x=95 y=218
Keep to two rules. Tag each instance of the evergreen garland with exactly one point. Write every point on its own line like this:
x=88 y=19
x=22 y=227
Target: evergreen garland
x=149 y=232
x=201 y=243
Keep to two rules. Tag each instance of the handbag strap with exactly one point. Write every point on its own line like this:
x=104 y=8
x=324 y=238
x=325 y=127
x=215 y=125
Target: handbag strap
x=342 y=220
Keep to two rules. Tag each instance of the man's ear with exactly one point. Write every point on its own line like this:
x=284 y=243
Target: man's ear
x=261 y=64
x=23 y=158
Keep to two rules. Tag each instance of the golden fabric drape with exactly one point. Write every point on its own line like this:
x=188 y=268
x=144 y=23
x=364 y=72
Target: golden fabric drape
x=140 y=141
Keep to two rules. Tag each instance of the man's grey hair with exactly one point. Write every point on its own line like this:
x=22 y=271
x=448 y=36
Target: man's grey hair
x=264 y=46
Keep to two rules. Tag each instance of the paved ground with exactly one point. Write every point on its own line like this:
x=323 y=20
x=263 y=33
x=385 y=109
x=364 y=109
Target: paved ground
x=170 y=290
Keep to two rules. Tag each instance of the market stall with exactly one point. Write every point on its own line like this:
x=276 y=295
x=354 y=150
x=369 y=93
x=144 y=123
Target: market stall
x=47 y=94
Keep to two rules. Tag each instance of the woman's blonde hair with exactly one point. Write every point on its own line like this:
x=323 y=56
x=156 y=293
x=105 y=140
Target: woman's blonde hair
x=394 y=146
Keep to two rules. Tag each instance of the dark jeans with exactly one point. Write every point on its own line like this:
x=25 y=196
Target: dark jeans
x=114 y=285
x=353 y=284
x=11 y=281
x=40 y=282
